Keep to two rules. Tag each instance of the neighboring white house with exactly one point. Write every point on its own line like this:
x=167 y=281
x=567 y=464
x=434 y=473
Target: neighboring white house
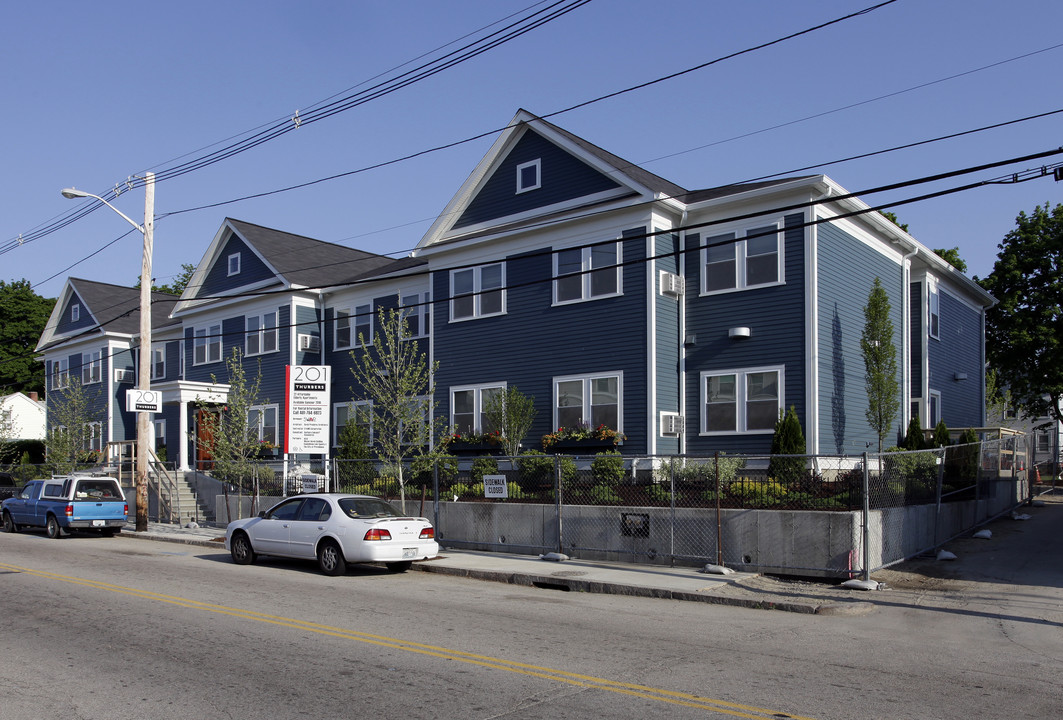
x=22 y=417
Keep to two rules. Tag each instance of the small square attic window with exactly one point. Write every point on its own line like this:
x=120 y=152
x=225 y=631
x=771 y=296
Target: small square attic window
x=234 y=264
x=75 y=312
x=529 y=176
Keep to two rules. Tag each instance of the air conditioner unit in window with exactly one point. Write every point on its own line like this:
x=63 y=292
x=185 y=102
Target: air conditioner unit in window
x=121 y=375
x=672 y=424
x=309 y=343
x=671 y=284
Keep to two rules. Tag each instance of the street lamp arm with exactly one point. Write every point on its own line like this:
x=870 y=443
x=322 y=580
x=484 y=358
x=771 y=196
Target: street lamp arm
x=72 y=193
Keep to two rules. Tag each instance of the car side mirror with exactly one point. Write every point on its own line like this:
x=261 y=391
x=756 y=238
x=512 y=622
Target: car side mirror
x=262 y=513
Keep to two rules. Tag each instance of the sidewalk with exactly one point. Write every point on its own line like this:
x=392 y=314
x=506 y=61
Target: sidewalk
x=1021 y=554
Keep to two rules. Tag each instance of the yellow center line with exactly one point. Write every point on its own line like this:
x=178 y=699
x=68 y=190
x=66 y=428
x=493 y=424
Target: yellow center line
x=587 y=681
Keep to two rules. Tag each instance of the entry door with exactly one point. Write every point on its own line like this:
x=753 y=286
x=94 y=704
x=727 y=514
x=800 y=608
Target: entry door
x=205 y=420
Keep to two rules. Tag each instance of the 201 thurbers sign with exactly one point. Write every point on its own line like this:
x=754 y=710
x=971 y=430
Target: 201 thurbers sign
x=309 y=391
x=143 y=400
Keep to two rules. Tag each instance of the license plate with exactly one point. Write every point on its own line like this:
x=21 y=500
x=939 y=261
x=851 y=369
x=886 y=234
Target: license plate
x=409 y=553
x=99 y=523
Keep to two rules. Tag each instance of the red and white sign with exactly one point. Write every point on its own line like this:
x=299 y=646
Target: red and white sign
x=309 y=393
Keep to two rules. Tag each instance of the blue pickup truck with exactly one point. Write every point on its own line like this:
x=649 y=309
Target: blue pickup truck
x=75 y=502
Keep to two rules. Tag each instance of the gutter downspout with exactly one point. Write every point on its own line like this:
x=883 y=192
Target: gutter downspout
x=906 y=336
x=682 y=324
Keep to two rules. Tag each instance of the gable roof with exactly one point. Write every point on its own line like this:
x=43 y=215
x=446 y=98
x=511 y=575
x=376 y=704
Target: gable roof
x=595 y=177
x=113 y=309
x=293 y=262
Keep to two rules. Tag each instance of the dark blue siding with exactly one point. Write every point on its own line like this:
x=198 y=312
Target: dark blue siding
x=958 y=350
x=307 y=324
x=847 y=270
x=563 y=178
x=668 y=342
x=535 y=342
x=84 y=319
x=776 y=316
x=252 y=270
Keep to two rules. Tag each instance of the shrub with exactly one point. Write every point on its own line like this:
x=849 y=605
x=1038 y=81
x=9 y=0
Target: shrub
x=699 y=473
x=535 y=470
x=941 y=435
x=603 y=495
x=788 y=439
x=607 y=468
x=913 y=439
x=483 y=465
x=758 y=493
x=459 y=490
x=659 y=494
x=423 y=467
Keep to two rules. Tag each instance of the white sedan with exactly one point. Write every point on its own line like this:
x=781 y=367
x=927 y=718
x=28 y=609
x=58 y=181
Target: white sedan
x=335 y=528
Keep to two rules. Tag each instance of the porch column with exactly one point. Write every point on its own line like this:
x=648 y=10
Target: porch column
x=182 y=424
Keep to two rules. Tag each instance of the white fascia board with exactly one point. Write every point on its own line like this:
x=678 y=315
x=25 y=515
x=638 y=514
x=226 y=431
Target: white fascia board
x=804 y=187
x=213 y=303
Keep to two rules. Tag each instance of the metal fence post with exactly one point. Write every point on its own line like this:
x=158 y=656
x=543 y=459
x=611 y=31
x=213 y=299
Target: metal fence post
x=719 y=523
x=557 y=503
x=867 y=518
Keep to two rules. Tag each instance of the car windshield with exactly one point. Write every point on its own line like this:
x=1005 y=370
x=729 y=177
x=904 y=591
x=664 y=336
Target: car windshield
x=367 y=508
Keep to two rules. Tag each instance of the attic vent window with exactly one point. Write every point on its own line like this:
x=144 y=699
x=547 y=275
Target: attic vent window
x=529 y=176
x=234 y=264
x=75 y=312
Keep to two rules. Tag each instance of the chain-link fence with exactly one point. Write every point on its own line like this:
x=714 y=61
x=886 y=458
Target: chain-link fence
x=824 y=515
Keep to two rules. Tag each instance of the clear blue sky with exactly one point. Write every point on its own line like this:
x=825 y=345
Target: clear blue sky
x=96 y=92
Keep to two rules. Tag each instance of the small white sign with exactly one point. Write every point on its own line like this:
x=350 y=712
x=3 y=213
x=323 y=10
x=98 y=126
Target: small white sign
x=137 y=400
x=309 y=388
x=310 y=483
x=495 y=486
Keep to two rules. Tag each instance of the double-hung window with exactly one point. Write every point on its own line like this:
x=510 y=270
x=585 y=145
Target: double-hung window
x=467 y=406
x=94 y=436
x=738 y=261
x=741 y=401
x=588 y=400
x=359 y=413
x=75 y=312
x=261 y=334
x=91 y=368
x=477 y=292
x=354 y=327
x=60 y=374
x=207 y=345
x=158 y=362
x=416 y=311
x=586 y=273
x=262 y=423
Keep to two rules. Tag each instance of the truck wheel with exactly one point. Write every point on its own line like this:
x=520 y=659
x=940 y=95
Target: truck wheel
x=9 y=524
x=52 y=528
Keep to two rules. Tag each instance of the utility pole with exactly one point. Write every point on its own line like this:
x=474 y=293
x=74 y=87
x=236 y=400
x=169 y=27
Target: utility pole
x=146 y=359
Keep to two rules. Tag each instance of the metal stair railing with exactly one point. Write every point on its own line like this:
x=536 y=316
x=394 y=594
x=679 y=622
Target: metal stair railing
x=164 y=480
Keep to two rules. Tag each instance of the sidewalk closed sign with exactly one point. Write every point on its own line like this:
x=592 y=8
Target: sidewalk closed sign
x=309 y=390
x=495 y=486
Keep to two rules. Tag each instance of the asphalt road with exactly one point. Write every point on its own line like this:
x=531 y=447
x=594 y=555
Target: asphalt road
x=108 y=628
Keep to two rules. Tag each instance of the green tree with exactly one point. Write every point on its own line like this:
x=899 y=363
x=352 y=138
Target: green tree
x=511 y=412
x=23 y=317
x=880 y=362
x=893 y=219
x=997 y=399
x=914 y=438
x=952 y=257
x=180 y=281
x=1024 y=330
x=230 y=434
x=395 y=374
x=74 y=427
x=789 y=439
x=941 y=435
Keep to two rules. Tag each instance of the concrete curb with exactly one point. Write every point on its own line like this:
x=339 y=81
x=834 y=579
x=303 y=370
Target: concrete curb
x=218 y=544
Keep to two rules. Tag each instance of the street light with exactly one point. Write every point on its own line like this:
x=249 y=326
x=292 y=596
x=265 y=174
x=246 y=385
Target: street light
x=144 y=366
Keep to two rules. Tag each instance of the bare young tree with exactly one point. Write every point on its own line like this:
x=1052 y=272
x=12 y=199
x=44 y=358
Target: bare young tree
x=511 y=413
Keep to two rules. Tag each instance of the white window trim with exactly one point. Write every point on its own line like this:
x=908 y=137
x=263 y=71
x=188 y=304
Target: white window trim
x=230 y=265
x=181 y=351
x=931 y=421
x=61 y=378
x=351 y=408
x=262 y=332
x=477 y=402
x=586 y=272
x=537 y=164
x=477 y=291
x=75 y=312
x=92 y=366
x=586 y=411
x=94 y=433
x=160 y=348
x=353 y=315
x=421 y=309
x=159 y=430
x=741 y=396
x=741 y=258
x=261 y=410
x=933 y=309
x=211 y=337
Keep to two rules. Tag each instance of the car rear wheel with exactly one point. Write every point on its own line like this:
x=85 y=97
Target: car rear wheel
x=398 y=567
x=330 y=558
x=9 y=524
x=241 y=550
x=109 y=532
x=52 y=528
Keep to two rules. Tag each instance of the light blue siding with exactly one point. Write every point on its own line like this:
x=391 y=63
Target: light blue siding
x=957 y=350
x=667 y=340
